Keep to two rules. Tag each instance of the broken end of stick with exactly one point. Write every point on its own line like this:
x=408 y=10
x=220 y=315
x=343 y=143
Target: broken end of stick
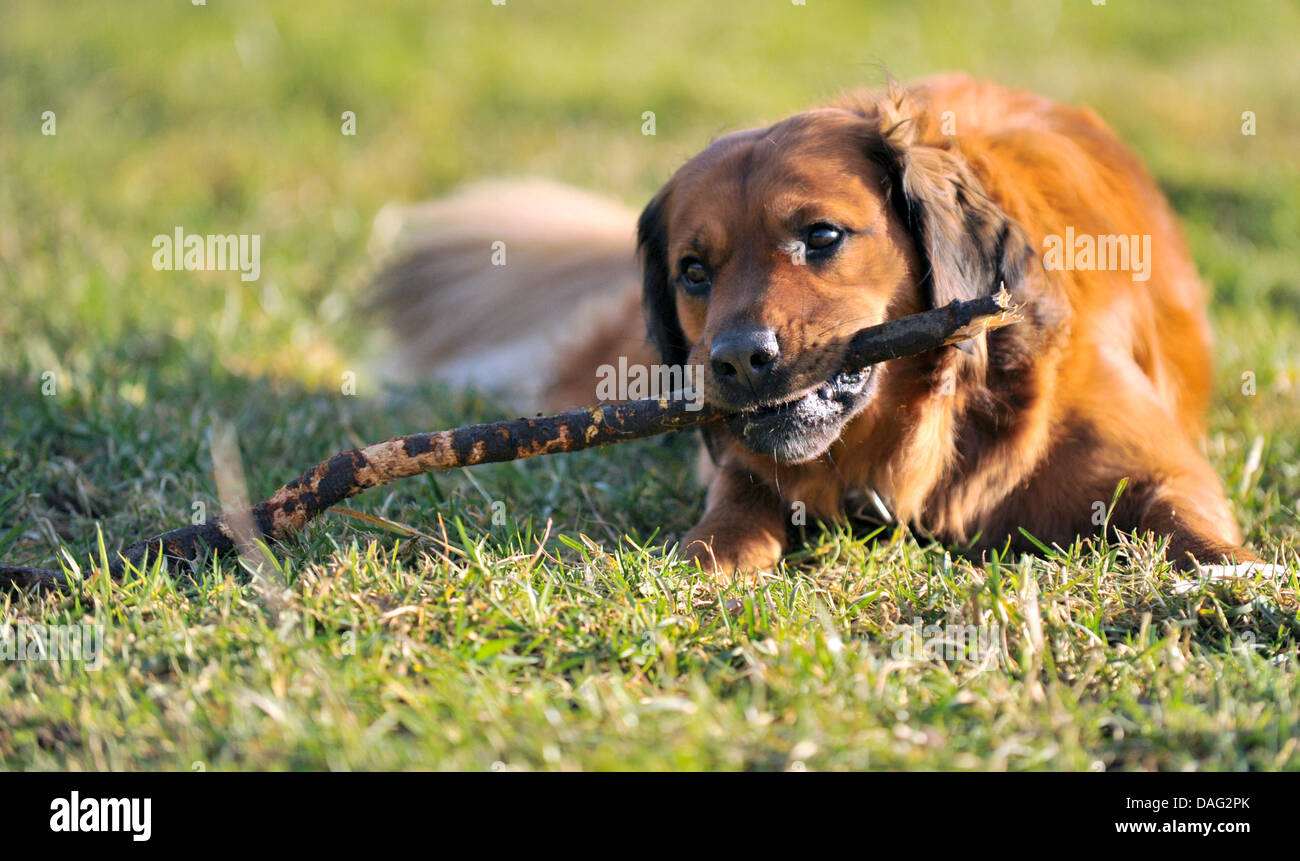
x=1010 y=313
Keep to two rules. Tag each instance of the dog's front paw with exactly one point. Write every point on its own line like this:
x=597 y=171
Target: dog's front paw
x=728 y=557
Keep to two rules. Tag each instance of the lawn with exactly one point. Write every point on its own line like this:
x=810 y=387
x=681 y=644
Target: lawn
x=559 y=637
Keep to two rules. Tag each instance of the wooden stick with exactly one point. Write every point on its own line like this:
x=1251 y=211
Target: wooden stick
x=349 y=473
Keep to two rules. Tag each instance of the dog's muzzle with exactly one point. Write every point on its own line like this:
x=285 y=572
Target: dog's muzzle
x=804 y=427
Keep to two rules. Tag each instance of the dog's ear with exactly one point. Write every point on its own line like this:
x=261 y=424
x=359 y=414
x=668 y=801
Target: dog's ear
x=968 y=243
x=658 y=296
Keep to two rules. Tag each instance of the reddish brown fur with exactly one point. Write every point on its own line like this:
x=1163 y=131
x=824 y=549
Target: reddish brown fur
x=1108 y=380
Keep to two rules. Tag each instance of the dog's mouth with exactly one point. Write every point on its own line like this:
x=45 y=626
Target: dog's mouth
x=803 y=427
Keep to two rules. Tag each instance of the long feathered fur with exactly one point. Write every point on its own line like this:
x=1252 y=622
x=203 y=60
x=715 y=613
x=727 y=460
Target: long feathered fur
x=500 y=284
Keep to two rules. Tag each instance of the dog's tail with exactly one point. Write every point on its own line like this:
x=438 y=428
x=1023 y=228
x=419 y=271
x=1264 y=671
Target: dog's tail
x=522 y=288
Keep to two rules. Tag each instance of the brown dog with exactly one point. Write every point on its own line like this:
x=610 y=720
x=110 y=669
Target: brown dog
x=766 y=251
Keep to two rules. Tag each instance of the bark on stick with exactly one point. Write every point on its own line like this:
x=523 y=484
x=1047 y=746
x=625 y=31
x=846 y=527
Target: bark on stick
x=349 y=473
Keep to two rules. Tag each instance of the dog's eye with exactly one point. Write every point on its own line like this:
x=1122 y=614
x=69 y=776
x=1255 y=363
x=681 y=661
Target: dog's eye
x=695 y=277
x=822 y=236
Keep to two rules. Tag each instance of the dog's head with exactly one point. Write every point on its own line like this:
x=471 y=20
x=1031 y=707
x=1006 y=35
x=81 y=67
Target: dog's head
x=767 y=251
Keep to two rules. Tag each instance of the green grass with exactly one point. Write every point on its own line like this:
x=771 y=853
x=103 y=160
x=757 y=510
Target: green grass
x=561 y=638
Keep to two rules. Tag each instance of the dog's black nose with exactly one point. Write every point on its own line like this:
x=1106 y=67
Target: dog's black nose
x=744 y=356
